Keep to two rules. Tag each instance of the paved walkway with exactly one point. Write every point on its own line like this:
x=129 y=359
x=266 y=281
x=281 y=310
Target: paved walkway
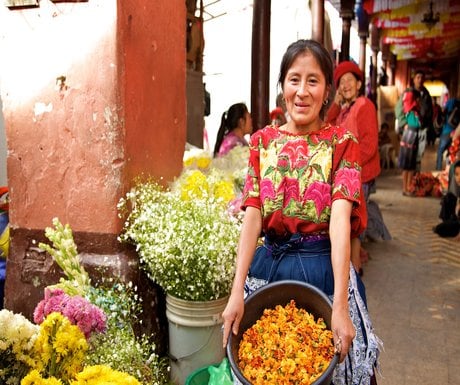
x=413 y=289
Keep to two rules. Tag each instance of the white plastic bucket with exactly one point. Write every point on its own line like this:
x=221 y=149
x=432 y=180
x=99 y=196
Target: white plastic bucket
x=195 y=335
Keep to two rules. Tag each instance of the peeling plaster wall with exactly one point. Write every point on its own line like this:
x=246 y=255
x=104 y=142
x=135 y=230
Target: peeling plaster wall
x=61 y=110
x=93 y=95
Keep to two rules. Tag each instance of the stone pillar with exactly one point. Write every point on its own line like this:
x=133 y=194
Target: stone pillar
x=260 y=65
x=347 y=14
x=93 y=97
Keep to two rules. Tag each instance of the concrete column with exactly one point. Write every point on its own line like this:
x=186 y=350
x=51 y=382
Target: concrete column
x=260 y=65
x=94 y=97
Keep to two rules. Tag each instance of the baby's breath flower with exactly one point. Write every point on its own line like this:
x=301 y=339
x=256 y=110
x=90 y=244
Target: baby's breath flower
x=185 y=236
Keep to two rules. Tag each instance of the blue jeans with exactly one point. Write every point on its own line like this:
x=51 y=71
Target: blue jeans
x=445 y=141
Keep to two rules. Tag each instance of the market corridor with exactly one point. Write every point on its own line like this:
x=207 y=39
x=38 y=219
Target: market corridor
x=413 y=289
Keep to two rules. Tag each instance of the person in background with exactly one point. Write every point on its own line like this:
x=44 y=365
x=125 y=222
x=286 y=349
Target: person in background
x=303 y=194
x=234 y=125
x=425 y=114
x=438 y=119
x=445 y=139
x=450 y=206
x=280 y=103
x=408 y=150
x=384 y=136
x=357 y=113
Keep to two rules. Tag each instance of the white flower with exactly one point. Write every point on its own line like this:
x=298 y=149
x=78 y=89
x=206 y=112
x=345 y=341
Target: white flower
x=186 y=241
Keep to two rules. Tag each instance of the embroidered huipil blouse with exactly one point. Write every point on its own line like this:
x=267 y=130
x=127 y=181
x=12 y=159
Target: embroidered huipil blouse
x=293 y=179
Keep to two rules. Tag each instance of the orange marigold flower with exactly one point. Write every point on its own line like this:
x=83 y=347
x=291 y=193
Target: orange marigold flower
x=285 y=346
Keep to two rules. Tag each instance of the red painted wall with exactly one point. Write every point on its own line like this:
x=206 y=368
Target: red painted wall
x=75 y=146
x=152 y=42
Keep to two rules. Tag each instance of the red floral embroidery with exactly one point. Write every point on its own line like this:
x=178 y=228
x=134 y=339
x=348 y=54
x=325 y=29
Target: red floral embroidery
x=267 y=190
x=289 y=187
x=294 y=155
x=320 y=193
x=348 y=180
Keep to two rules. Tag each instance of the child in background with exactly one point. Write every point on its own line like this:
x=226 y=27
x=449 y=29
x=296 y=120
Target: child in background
x=384 y=137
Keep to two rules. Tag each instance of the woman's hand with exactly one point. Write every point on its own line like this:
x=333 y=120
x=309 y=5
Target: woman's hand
x=343 y=331
x=338 y=99
x=232 y=315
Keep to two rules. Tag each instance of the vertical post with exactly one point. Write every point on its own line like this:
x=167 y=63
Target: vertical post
x=375 y=46
x=317 y=16
x=347 y=14
x=363 y=33
x=391 y=76
x=260 y=65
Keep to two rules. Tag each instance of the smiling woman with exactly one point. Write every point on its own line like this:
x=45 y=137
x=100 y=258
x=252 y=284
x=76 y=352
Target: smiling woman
x=303 y=194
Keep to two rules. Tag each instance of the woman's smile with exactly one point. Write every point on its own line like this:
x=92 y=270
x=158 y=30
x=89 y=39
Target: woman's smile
x=304 y=90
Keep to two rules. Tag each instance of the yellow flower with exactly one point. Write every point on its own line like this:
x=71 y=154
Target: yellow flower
x=193 y=185
x=60 y=348
x=224 y=190
x=203 y=162
x=34 y=378
x=197 y=158
x=101 y=374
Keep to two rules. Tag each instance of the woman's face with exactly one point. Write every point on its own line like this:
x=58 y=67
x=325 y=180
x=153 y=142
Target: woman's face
x=418 y=81
x=457 y=175
x=304 y=90
x=247 y=127
x=349 y=87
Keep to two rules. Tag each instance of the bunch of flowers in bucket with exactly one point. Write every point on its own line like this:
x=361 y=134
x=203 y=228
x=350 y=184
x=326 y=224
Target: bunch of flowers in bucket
x=187 y=234
x=70 y=332
x=233 y=164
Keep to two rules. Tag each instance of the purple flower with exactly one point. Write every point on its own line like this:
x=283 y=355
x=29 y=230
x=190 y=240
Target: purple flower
x=88 y=317
x=54 y=301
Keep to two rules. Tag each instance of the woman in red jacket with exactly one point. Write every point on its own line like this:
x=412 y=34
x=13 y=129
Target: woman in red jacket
x=359 y=115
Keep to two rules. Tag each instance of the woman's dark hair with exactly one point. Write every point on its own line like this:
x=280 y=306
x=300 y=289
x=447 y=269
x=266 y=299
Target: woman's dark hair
x=229 y=122
x=322 y=56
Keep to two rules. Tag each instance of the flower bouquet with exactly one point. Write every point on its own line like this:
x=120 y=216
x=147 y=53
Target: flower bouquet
x=82 y=334
x=185 y=235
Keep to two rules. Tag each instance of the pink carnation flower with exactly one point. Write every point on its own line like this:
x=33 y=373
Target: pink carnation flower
x=88 y=317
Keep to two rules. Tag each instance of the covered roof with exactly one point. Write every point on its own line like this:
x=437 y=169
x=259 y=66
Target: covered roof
x=417 y=28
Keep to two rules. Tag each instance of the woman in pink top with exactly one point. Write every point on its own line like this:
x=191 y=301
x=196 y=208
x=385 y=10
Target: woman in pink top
x=358 y=114
x=235 y=124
